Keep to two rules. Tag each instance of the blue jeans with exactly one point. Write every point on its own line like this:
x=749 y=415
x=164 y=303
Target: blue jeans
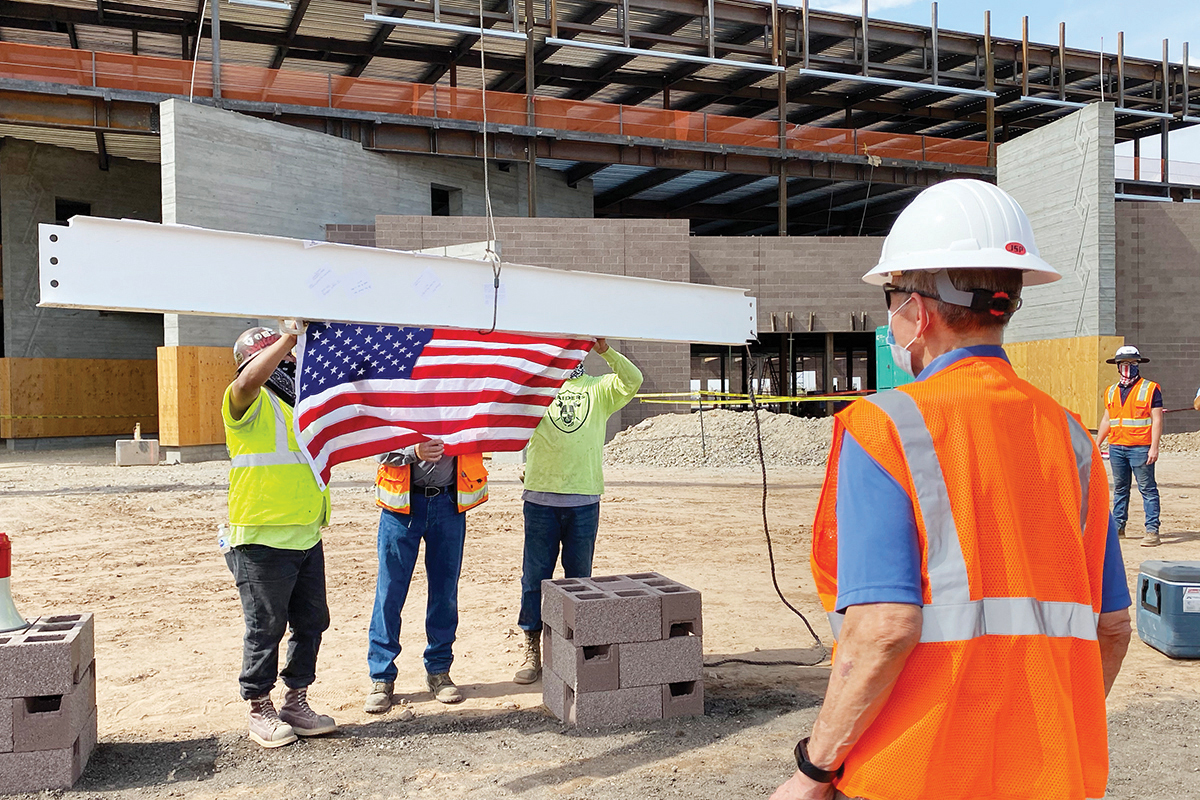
x=438 y=521
x=546 y=529
x=279 y=588
x=1126 y=459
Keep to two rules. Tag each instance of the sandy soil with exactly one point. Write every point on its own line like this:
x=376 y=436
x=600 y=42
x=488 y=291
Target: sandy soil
x=137 y=547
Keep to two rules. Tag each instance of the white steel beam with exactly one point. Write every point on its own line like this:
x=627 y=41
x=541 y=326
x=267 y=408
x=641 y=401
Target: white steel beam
x=128 y=265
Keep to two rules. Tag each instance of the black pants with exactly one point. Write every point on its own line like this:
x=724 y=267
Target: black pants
x=279 y=588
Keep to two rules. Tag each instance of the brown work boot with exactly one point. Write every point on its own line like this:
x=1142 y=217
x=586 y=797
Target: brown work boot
x=531 y=664
x=1151 y=539
x=266 y=727
x=1120 y=531
x=380 y=698
x=304 y=721
x=444 y=690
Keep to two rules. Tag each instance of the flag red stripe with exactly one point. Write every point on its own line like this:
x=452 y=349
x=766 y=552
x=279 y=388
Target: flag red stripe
x=419 y=400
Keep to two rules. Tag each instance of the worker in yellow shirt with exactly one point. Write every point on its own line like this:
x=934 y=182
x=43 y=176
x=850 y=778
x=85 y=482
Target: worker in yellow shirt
x=276 y=512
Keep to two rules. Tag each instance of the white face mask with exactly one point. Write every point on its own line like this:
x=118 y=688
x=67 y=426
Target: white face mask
x=900 y=354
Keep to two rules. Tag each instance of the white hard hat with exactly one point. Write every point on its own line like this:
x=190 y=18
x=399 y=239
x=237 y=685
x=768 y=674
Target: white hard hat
x=962 y=224
x=1128 y=353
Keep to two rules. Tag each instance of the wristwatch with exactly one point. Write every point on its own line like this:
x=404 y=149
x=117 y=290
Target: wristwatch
x=810 y=769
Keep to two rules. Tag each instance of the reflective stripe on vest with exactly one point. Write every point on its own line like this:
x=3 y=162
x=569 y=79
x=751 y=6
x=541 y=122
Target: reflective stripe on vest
x=951 y=615
x=283 y=453
x=1129 y=420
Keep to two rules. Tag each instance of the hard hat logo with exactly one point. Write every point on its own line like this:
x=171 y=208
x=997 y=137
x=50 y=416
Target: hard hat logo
x=1016 y=248
x=251 y=343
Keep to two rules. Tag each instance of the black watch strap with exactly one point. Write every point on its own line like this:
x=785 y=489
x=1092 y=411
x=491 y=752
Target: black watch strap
x=810 y=769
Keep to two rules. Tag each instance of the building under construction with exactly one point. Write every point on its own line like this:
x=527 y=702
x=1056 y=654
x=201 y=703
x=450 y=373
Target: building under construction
x=743 y=143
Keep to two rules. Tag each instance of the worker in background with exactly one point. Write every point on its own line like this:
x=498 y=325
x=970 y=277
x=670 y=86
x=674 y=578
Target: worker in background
x=564 y=478
x=276 y=512
x=1133 y=423
x=974 y=584
x=422 y=495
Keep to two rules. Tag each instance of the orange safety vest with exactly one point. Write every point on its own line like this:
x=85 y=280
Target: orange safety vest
x=392 y=483
x=1004 y=695
x=1130 y=421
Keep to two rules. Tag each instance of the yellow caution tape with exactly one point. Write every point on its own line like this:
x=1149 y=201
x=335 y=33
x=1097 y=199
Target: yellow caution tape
x=723 y=398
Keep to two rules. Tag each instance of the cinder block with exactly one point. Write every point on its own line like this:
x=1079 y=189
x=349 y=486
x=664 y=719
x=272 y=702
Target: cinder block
x=588 y=615
x=666 y=661
x=593 y=668
x=554 y=694
x=682 y=608
x=49 y=657
x=137 y=452
x=618 y=707
x=683 y=699
x=6 y=729
x=52 y=722
x=48 y=769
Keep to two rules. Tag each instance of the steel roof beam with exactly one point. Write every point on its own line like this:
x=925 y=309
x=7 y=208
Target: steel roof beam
x=292 y=28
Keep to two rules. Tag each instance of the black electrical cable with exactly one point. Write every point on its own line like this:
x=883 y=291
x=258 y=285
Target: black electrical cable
x=762 y=463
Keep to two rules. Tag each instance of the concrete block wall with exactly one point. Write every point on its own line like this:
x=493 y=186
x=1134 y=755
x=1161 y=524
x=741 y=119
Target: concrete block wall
x=32 y=177
x=814 y=277
x=226 y=170
x=48 y=717
x=361 y=235
x=621 y=648
x=640 y=248
x=1158 y=279
x=1063 y=176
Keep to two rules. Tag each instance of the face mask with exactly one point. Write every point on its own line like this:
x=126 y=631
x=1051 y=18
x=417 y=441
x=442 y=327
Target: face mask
x=283 y=382
x=1128 y=371
x=900 y=355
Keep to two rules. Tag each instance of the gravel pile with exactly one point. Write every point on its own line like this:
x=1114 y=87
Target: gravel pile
x=673 y=440
x=1180 y=442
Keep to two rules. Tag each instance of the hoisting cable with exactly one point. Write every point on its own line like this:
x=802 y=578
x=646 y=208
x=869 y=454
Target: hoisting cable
x=491 y=254
x=762 y=463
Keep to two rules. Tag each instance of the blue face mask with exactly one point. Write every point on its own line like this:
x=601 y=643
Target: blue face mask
x=900 y=355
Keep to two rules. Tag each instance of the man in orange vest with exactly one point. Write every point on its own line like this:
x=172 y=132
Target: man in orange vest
x=1133 y=423
x=422 y=495
x=973 y=582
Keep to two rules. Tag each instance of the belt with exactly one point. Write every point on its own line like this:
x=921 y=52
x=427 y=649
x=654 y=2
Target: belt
x=433 y=491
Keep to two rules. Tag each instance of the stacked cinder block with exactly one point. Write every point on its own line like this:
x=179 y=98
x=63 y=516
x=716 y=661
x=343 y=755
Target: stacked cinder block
x=620 y=649
x=47 y=703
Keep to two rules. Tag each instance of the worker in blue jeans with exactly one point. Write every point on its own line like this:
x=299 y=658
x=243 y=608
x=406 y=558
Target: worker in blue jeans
x=1133 y=423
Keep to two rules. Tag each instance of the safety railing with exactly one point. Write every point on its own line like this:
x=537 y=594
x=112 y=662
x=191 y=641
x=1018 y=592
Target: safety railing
x=1150 y=169
x=291 y=87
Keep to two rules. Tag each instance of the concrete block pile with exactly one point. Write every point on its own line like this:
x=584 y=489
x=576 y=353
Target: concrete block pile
x=620 y=649
x=47 y=703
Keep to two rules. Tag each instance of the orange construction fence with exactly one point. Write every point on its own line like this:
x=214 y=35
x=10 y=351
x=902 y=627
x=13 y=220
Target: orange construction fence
x=291 y=87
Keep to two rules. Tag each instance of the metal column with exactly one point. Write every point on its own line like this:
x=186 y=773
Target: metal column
x=827 y=376
x=990 y=85
x=530 y=87
x=215 y=5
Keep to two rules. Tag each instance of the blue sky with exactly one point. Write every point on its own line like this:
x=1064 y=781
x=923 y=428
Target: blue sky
x=1145 y=25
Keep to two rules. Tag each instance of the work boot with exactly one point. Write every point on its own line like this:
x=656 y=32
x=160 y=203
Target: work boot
x=304 y=721
x=380 y=698
x=1151 y=539
x=531 y=664
x=266 y=727
x=1120 y=531
x=444 y=690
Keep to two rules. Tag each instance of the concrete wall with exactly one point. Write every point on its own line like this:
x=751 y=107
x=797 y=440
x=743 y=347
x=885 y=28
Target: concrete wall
x=638 y=248
x=226 y=170
x=817 y=278
x=1063 y=176
x=32 y=177
x=1158 y=281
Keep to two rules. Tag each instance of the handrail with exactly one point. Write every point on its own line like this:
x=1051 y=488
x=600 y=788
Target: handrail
x=291 y=87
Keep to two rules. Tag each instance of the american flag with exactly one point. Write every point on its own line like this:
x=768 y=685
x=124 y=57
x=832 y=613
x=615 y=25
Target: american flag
x=363 y=390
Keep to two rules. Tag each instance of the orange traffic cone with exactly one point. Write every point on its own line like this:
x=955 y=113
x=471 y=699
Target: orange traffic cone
x=10 y=620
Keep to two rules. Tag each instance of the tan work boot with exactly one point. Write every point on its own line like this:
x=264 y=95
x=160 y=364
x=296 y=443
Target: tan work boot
x=1151 y=539
x=531 y=664
x=444 y=690
x=266 y=727
x=304 y=721
x=1121 y=532
x=380 y=698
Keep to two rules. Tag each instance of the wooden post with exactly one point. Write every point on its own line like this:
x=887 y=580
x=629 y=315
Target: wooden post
x=1121 y=69
x=1024 y=56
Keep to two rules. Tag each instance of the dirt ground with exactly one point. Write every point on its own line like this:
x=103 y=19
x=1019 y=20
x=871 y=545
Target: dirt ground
x=137 y=547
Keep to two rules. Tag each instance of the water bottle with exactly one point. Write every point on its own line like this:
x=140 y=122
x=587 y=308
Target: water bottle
x=223 y=539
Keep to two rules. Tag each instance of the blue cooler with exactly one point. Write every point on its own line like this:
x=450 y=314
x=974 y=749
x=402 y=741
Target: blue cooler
x=1168 y=607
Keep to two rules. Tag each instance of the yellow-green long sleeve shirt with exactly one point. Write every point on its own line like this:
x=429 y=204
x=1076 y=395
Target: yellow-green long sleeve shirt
x=565 y=454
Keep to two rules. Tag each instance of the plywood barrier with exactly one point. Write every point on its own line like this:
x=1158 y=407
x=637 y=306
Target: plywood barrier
x=1071 y=370
x=191 y=383
x=44 y=397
